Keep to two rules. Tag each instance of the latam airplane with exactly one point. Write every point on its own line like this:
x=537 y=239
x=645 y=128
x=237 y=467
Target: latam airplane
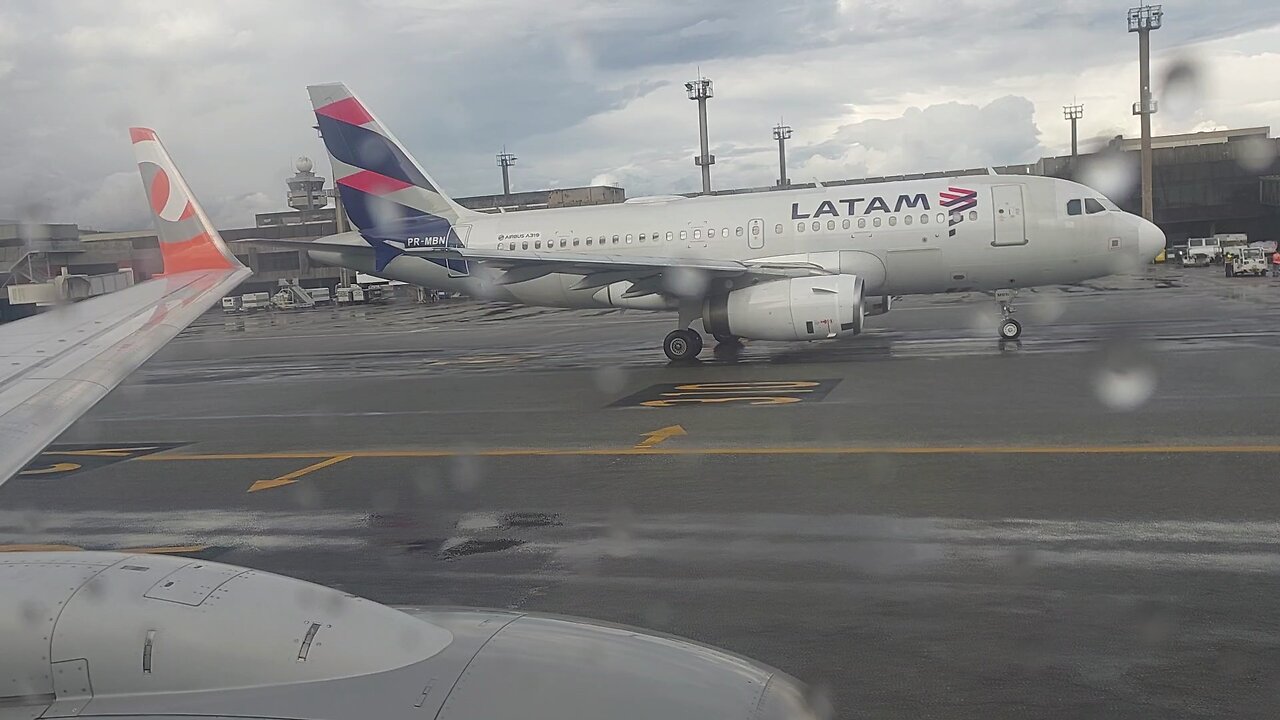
x=792 y=265
x=104 y=634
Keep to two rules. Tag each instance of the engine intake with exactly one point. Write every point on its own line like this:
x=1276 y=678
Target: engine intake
x=807 y=308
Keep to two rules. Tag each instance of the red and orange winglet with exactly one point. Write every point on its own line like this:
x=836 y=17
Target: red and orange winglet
x=188 y=241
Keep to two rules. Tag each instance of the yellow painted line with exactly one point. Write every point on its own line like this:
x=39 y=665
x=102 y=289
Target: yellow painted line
x=292 y=477
x=102 y=452
x=337 y=456
x=654 y=437
x=54 y=468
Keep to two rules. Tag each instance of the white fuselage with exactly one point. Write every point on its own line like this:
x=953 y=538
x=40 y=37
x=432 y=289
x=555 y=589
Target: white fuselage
x=996 y=232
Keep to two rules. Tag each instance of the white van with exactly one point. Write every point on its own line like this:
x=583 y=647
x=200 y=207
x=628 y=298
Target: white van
x=1202 y=251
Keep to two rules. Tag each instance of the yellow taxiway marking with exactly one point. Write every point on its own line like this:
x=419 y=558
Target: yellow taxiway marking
x=101 y=452
x=655 y=437
x=291 y=478
x=331 y=457
x=54 y=468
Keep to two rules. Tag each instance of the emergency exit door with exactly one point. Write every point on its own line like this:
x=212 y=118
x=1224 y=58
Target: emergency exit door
x=1010 y=225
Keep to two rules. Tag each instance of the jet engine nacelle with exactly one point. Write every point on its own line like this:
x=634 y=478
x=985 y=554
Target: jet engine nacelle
x=805 y=308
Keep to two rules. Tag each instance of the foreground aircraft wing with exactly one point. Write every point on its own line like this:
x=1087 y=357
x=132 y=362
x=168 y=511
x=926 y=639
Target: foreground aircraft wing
x=56 y=365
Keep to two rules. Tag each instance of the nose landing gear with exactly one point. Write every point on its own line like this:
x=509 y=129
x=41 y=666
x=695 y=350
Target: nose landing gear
x=1010 y=329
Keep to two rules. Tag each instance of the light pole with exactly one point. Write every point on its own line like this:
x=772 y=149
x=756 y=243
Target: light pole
x=701 y=91
x=782 y=133
x=505 y=161
x=1073 y=113
x=1143 y=20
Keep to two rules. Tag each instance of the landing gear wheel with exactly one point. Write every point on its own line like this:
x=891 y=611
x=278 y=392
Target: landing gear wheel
x=1010 y=329
x=682 y=345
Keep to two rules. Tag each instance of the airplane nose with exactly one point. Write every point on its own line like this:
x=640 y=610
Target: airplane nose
x=1151 y=240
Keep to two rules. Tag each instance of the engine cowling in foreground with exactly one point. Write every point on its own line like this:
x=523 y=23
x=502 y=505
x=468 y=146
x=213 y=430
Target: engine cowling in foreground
x=806 y=308
x=132 y=636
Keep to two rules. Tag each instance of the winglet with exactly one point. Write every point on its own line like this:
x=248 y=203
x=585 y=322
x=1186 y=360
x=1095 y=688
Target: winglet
x=188 y=240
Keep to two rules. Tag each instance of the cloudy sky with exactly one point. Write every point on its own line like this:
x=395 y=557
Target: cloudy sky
x=591 y=91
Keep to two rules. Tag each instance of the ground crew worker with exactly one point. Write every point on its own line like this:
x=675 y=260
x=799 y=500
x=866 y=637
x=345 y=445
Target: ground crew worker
x=1229 y=262
x=1275 y=262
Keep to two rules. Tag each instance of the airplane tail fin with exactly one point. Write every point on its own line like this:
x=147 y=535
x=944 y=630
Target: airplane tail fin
x=188 y=240
x=381 y=185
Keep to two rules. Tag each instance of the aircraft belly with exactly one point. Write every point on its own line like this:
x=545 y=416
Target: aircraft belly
x=912 y=271
x=553 y=291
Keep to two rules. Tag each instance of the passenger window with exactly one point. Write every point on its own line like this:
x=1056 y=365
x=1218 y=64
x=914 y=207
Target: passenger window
x=711 y=232
x=799 y=227
x=831 y=224
x=924 y=218
x=817 y=225
x=642 y=237
x=724 y=232
x=1073 y=207
x=589 y=241
x=893 y=219
x=862 y=222
x=537 y=244
x=669 y=236
x=906 y=219
x=844 y=224
x=1092 y=206
x=876 y=222
x=697 y=234
x=942 y=217
x=628 y=238
x=684 y=234
x=575 y=242
x=615 y=240
x=777 y=229
x=973 y=214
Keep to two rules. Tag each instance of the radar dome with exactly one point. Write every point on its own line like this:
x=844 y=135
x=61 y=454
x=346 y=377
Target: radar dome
x=303 y=164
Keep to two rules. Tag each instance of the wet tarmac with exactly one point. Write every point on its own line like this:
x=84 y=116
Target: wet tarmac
x=921 y=522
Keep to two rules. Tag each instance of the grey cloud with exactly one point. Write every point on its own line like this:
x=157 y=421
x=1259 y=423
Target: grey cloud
x=951 y=135
x=223 y=83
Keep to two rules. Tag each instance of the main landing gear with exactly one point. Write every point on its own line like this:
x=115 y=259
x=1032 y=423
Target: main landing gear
x=682 y=345
x=1010 y=329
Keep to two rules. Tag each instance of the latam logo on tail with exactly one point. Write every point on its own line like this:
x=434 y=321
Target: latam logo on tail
x=957 y=201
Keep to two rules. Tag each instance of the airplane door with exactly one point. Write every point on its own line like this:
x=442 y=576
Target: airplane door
x=755 y=234
x=1010 y=225
x=458 y=268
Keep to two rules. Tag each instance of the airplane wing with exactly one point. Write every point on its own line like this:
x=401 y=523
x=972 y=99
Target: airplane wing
x=598 y=269
x=56 y=365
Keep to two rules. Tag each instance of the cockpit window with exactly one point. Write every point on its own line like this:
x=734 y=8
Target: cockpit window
x=1109 y=205
x=1092 y=206
x=1073 y=207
